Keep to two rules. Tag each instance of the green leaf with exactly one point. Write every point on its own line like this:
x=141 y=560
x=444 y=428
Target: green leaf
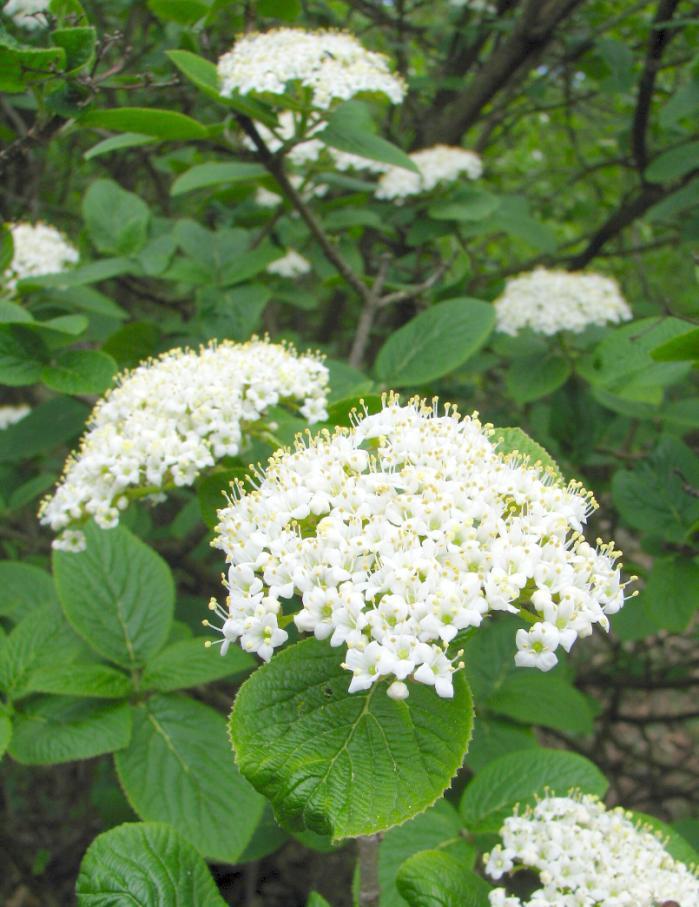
x=513 y=217
x=5 y=733
x=57 y=729
x=471 y=205
x=344 y=764
x=12 y=313
x=521 y=776
x=673 y=164
x=531 y=697
x=514 y=440
x=493 y=738
x=489 y=655
x=531 y=377
x=233 y=314
x=22 y=355
x=179 y=769
x=316 y=900
x=24 y=587
x=44 y=428
x=440 y=826
x=90 y=680
x=30 y=490
x=189 y=664
x=41 y=638
x=685 y=346
x=78 y=44
x=433 y=878
x=671 y=595
x=117 y=220
x=203 y=74
x=350 y=128
x=215 y=174
x=146 y=863
x=93 y=272
x=288 y=10
x=673 y=841
x=656 y=496
x=435 y=342
x=186 y=12
x=7 y=248
x=118 y=143
x=689 y=829
x=671 y=205
x=118 y=594
x=683 y=103
x=167 y=125
x=132 y=343
x=80 y=372
x=211 y=489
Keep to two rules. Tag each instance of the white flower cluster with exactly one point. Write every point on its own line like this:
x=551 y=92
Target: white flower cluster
x=331 y=65
x=441 y=164
x=38 y=249
x=11 y=414
x=290 y=265
x=26 y=13
x=551 y=301
x=588 y=856
x=172 y=417
x=310 y=149
x=402 y=531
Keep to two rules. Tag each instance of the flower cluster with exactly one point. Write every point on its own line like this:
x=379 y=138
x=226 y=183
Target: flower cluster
x=588 y=856
x=11 y=414
x=173 y=417
x=402 y=531
x=551 y=301
x=290 y=265
x=38 y=249
x=331 y=66
x=441 y=164
x=27 y=13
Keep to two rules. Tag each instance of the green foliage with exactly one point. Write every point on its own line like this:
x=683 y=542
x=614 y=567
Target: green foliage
x=433 y=878
x=317 y=740
x=146 y=863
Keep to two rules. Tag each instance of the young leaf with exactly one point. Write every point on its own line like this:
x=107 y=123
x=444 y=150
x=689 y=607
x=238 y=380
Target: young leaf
x=118 y=594
x=144 y=863
x=215 y=173
x=435 y=342
x=179 y=769
x=339 y=763
x=433 y=878
x=117 y=220
x=520 y=776
x=189 y=663
x=168 y=125
x=350 y=128
x=531 y=377
x=94 y=681
x=117 y=143
x=80 y=372
x=671 y=595
x=56 y=729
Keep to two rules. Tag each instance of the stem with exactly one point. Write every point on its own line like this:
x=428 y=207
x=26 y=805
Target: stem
x=368 y=854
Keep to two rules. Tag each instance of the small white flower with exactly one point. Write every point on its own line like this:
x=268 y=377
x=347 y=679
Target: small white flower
x=536 y=647
x=290 y=265
x=38 y=249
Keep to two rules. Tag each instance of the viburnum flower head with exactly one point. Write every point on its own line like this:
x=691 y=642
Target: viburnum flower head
x=441 y=164
x=551 y=301
x=38 y=249
x=400 y=532
x=173 y=417
x=27 y=13
x=588 y=856
x=328 y=66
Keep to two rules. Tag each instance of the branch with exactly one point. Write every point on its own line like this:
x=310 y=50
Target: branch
x=658 y=41
x=368 y=314
x=276 y=168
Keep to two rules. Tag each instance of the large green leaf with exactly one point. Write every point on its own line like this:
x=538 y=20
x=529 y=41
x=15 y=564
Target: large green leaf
x=179 y=769
x=680 y=348
x=673 y=164
x=518 y=777
x=656 y=495
x=493 y=737
x=440 y=826
x=168 y=125
x=40 y=639
x=118 y=594
x=531 y=697
x=56 y=729
x=189 y=663
x=118 y=143
x=22 y=355
x=44 y=428
x=216 y=173
x=23 y=588
x=339 y=763
x=117 y=220
x=531 y=377
x=350 y=128
x=435 y=342
x=93 y=681
x=671 y=596
x=80 y=372
x=433 y=878
x=78 y=43
x=146 y=863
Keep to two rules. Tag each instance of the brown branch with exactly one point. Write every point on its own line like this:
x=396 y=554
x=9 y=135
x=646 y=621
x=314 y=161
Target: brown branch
x=657 y=42
x=368 y=314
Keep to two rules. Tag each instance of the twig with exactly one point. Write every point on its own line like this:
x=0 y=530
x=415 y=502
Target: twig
x=366 y=320
x=368 y=853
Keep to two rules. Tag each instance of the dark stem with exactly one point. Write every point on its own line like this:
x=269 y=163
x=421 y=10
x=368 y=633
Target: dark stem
x=368 y=854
